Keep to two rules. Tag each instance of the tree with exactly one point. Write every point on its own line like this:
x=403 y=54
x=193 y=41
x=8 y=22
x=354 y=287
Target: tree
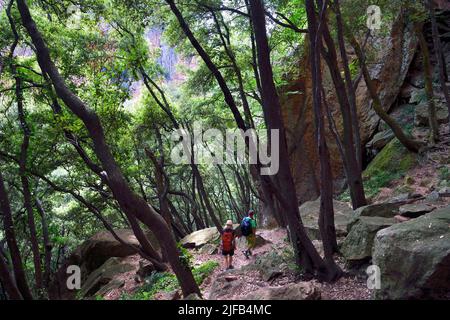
x=127 y=199
x=307 y=255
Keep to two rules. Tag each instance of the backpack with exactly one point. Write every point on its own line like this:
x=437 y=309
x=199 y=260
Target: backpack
x=227 y=240
x=246 y=226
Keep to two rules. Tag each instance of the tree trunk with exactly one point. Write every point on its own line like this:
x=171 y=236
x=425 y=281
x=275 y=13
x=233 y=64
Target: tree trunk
x=439 y=55
x=428 y=78
x=326 y=217
x=354 y=176
x=410 y=143
x=306 y=254
x=8 y=227
x=8 y=282
x=25 y=185
x=127 y=199
x=47 y=244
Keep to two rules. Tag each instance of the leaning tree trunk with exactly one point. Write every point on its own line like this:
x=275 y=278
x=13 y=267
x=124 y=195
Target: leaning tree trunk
x=128 y=200
x=8 y=228
x=8 y=282
x=409 y=142
x=26 y=186
x=428 y=78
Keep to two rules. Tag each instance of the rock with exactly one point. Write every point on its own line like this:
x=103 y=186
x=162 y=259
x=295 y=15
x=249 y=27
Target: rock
x=393 y=159
x=208 y=249
x=384 y=210
x=91 y=254
x=309 y=212
x=112 y=285
x=242 y=242
x=400 y=218
x=433 y=196
x=193 y=296
x=415 y=210
x=380 y=140
x=357 y=246
x=222 y=287
x=421 y=118
x=390 y=55
x=103 y=275
x=414 y=257
x=199 y=238
x=145 y=269
x=291 y=291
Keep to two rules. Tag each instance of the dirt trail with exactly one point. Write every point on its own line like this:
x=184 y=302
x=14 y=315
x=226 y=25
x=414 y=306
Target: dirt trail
x=347 y=288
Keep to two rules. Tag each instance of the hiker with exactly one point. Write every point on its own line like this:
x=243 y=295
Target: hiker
x=248 y=230
x=228 y=244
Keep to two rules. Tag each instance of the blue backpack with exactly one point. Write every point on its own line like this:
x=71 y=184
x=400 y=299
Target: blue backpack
x=246 y=226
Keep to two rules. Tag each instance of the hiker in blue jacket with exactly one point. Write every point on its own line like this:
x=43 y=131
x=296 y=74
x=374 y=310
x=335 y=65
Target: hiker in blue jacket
x=248 y=230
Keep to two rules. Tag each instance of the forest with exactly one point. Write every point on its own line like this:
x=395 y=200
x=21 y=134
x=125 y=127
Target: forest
x=224 y=149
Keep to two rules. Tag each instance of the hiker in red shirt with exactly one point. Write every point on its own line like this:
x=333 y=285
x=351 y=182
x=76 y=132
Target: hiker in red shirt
x=228 y=244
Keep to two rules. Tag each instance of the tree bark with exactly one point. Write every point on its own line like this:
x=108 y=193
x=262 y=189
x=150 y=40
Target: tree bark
x=8 y=282
x=25 y=185
x=8 y=228
x=129 y=201
x=428 y=79
x=47 y=244
x=354 y=175
x=305 y=252
x=326 y=217
x=439 y=55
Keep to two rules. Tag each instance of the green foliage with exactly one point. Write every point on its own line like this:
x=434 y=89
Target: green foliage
x=167 y=282
x=391 y=163
x=204 y=270
x=185 y=256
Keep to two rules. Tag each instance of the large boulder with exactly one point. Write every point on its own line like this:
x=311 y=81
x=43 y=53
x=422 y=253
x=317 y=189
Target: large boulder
x=357 y=246
x=309 y=212
x=99 y=281
x=93 y=253
x=291 y=291
x=383 y=210
x=391 y=54
x=201 y=237
x=414 y=257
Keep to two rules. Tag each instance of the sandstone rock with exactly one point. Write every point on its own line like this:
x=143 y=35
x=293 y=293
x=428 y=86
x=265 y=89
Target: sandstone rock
x=199 y=238
x=208 y=249
x=193 y=296
x=391 y=55
x=112 y=285
x=91 y=254
x=433 y=196
x=380 y=140
x=309 y=212
x=415 y=210
x=145 y=269
x=414 y=257
x=103 y=275
x=241 y=242
x=384 y=210
x=421 y=118
x=222 y=287
x=292 y=291
x=357 y=246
